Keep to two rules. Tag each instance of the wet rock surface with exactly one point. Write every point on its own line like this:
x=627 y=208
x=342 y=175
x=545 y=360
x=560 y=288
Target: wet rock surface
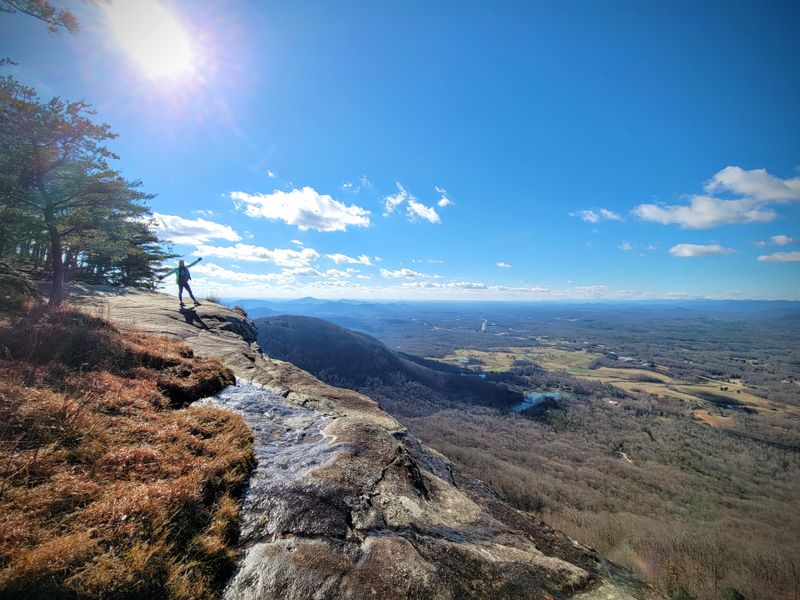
x=344 y=503
x=289 y=445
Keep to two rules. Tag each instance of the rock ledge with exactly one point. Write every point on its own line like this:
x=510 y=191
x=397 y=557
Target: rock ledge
x=379 y=514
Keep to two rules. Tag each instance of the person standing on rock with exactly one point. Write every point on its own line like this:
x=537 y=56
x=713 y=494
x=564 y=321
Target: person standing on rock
x=182 y=277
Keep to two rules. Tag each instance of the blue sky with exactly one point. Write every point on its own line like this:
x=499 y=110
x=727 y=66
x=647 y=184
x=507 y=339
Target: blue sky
x=525 y=150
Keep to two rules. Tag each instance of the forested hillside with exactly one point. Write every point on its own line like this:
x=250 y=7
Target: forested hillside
x=357 y=361
x=701 y=508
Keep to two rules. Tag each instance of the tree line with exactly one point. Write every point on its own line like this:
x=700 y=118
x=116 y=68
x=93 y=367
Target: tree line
x=65 y=212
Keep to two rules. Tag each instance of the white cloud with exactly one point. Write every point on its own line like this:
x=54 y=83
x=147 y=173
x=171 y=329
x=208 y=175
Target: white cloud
x=402 y=274
x=784 y=240
x=391 y=202
x=283 y=257
x=609 y=215
x=191 y=231
x=503 y=265
x=340 y=259
x=596 y=215
x=302 y=272
x=449 y=285
x=416 y=210
x=757 y=190
x=780 y=257
x=626 y=246
x=756 y=183
x=445 y=199
x=298 y=243
x=586 y=215
x=211 y=276
x=214 y=270
x=305 y=208
x=338 y=273
x=694 y=250
x=704 y=212
x=203 y=212
x=270 y=174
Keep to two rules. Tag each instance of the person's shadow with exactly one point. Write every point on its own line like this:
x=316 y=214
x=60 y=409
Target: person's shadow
x=192 y=318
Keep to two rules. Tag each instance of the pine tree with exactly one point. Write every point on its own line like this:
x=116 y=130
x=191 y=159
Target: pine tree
x=57 y=186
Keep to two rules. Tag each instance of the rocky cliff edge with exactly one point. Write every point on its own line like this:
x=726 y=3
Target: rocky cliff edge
x=378 y=514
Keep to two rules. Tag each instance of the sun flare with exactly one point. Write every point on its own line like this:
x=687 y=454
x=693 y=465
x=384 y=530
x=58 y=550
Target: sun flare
x=152 y=36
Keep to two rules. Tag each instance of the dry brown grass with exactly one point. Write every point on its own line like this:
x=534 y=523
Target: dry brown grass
x=106 y=489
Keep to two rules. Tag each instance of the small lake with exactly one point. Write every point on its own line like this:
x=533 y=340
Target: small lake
x=534 y=398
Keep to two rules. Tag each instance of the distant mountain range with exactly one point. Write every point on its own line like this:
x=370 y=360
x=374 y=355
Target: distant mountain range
x=309 y=306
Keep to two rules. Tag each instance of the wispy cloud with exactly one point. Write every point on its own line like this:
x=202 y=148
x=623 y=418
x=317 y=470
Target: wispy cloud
x=340 y=259
x=503 y=265
x=415 y=210
x=305 y=208
x=283 y=257
x=363 y=183
x=270 y=174
x=448 y=285
x=404 y=273
x=418 y=211
x=445 y=200
x=780 y=257
x=392 y=201
x=695 y=250
x=595 y=215
x=191 y=231
x=757 y=188
x=626 y=246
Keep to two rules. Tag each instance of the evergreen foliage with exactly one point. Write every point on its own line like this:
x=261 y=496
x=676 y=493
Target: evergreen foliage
x=65 y=212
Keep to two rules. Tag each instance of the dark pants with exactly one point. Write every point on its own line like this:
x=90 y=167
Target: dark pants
x=181 y=286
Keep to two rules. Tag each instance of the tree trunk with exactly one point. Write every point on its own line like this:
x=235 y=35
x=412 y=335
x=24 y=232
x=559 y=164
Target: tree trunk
x=57 y=291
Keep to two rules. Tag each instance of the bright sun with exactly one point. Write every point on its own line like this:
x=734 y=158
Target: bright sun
x=152 y=36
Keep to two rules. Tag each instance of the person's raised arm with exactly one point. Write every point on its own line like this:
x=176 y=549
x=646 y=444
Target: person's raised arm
x=194 y=263
x=168 y=273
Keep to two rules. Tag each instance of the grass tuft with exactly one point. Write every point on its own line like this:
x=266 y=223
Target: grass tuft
x=105 y=488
